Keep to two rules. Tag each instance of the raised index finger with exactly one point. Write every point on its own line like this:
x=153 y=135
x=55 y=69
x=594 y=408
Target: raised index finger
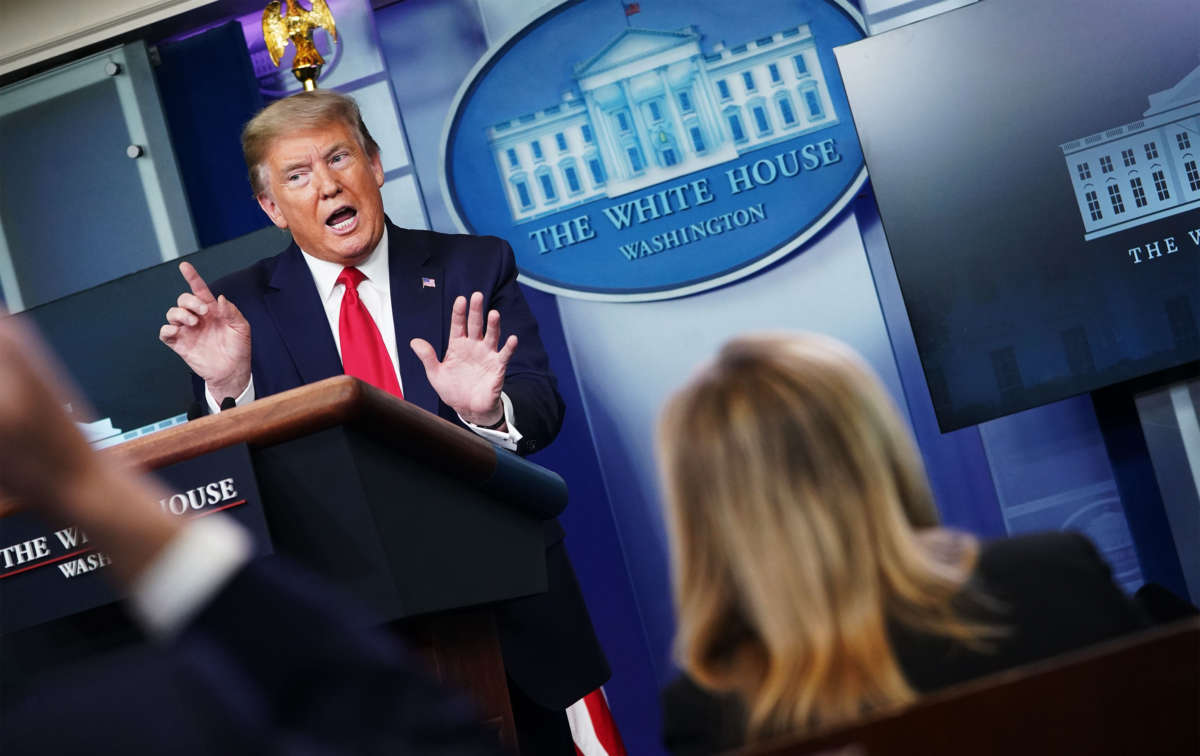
x=199 y=288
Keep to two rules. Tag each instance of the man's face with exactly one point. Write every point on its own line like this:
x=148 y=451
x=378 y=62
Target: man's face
x=322 y=186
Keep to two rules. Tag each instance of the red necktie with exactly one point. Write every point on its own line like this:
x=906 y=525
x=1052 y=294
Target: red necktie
x=363 y=353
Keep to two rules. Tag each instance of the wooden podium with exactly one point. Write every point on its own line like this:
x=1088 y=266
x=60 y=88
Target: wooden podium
x=423 y=521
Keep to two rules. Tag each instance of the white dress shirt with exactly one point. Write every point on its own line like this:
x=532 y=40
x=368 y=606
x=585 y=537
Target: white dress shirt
x=375 y=291
x=188 y=573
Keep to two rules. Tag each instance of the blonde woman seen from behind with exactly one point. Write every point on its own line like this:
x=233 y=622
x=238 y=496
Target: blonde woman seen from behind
x=812 y=585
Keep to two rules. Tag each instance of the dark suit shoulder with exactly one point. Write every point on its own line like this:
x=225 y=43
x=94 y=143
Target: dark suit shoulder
x=1060 y=573
x=1057 y=593
x=439 y=238
x=250 y=281
x=446 y=249
x=1043 y=559
x=1049 y=593
x=697 y=722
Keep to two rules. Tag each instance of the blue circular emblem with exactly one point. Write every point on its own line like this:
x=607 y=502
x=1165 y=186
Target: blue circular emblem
x=647 y=150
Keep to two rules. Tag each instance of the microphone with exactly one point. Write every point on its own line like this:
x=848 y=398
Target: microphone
x=228 y=403
x=195 y=410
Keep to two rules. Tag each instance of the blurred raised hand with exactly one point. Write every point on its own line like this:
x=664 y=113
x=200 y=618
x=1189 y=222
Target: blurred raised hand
x=46 y=466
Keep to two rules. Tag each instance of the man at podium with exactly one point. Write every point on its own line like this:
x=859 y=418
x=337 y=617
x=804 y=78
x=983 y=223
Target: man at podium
x=406 y=326
x=416 y=313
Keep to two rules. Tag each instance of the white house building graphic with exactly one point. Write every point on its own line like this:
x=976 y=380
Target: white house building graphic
x=652 y=105
x=1142 y=171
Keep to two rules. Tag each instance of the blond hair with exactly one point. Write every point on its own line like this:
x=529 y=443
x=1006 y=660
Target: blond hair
x=793 y=489
x=306 y=110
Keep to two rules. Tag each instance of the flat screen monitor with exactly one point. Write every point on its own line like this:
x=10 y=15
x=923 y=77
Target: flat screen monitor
x=106 y=338
x=1036 y=170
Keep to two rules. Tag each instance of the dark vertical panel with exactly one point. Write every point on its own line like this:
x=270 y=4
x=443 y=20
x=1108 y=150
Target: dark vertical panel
x=209 y=92
x=1138 y=486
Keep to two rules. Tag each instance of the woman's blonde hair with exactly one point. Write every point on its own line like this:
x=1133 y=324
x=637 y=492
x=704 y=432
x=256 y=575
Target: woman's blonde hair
x=793 y=490
x=314 y=109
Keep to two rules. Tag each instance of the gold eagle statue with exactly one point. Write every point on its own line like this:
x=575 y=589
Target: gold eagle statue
x=297 y=24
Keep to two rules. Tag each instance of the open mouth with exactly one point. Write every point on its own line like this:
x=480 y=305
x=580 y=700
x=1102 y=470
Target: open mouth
x=342 y=219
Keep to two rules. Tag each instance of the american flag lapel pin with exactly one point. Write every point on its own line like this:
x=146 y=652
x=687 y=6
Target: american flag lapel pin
x=428 y=283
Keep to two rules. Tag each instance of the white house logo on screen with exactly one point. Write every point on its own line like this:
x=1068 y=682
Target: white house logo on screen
x=647 y=160
x=1142 y=171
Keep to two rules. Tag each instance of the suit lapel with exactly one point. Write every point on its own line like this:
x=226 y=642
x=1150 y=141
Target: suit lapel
x=296 y=307
x=418 y=310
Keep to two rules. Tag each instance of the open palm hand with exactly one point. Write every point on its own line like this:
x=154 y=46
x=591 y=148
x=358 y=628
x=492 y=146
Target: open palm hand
x=470 y=376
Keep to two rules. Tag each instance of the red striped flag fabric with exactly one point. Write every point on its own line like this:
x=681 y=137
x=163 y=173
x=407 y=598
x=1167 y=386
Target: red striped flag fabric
x=593 y=728
x=632 y=8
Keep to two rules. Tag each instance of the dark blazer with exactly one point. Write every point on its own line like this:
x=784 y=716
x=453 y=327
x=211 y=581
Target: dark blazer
x=550 y=648
x=1056 y=594
x=292 y=344
x=275 y=663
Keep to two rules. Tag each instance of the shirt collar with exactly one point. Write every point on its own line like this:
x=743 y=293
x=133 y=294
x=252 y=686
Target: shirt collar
x=375 y=268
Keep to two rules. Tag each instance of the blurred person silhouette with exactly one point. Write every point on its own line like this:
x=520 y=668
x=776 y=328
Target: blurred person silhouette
x=249 y=656
x=1162 y=606
x=812 y=583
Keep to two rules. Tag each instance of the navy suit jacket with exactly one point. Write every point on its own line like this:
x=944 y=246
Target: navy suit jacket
x=550 y=648
x=292 y=344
